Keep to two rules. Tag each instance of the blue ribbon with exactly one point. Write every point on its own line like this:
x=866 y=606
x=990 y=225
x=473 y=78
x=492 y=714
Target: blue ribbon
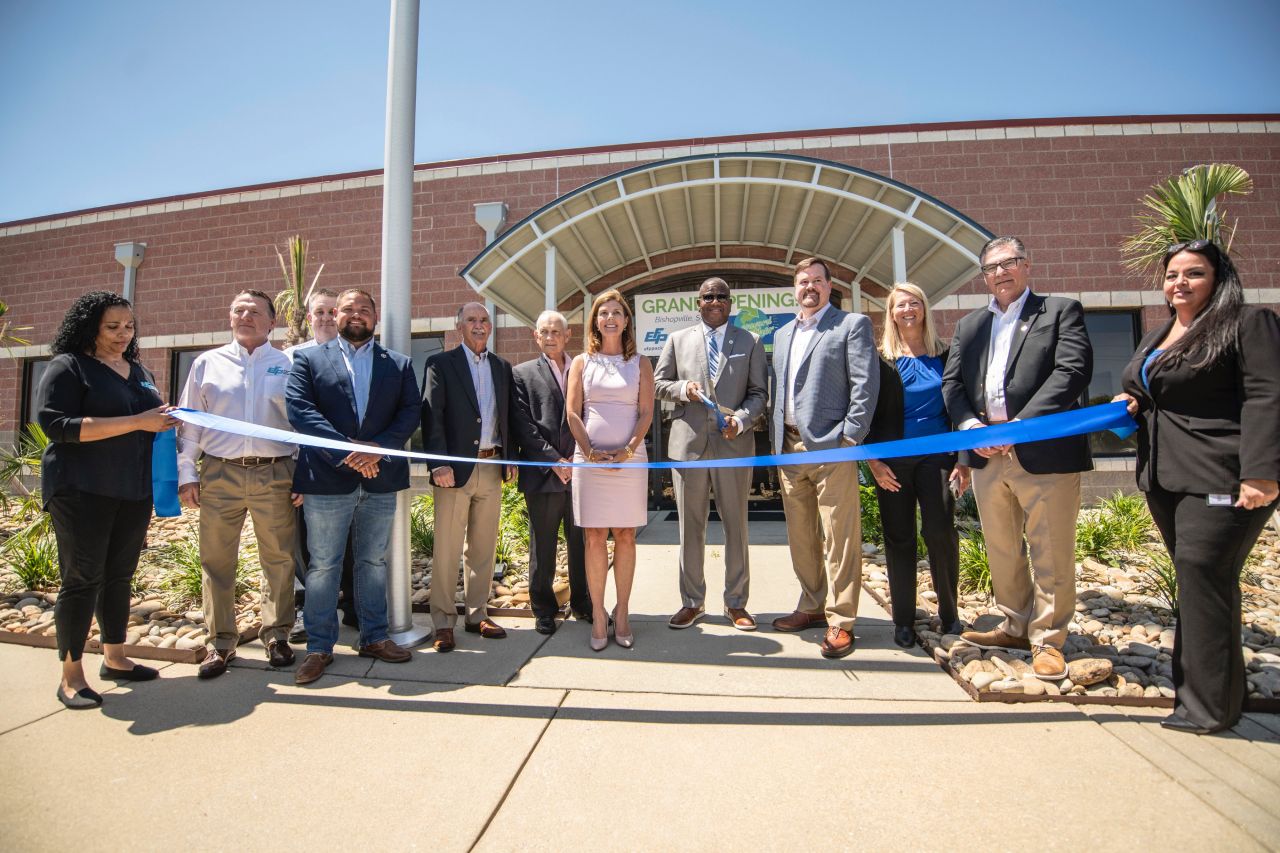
x=1107 y=416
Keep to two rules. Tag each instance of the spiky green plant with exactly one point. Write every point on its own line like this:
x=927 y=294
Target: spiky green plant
x=33 y=559
x=7 y=329
x=975 y=571
x=1184 y=208
x=513 y=526
x=182 y=580
x=422 y=524
x=1159 y=579
x=872 y=527
x=23 y=459
x=291 y=303
x=1097 y=536
x=1131 y=520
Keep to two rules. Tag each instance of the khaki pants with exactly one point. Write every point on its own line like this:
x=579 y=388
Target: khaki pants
x=227 y=493
x=467 y=515
x=824 y=530
x=1037 y=598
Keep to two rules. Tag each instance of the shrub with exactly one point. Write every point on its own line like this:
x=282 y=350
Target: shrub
x=513 y=526
x=33 y=558
x=422 y=524
x=967 y=507
x=975 y=572
x=1159 y=580
x=1097 y=536
x=872 y=528
x=1131 y=520
x=182 y=580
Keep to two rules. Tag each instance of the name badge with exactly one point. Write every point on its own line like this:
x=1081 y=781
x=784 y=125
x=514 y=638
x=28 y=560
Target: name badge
x=1221 y=500
x=149 y=386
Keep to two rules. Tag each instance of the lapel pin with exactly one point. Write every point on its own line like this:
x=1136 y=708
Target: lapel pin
x=1024 y=328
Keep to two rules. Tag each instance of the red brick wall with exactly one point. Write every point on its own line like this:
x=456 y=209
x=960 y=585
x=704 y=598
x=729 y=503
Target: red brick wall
x=1072 y=199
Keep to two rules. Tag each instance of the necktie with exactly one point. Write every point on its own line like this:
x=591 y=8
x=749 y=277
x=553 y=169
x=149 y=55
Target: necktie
x=713 y=357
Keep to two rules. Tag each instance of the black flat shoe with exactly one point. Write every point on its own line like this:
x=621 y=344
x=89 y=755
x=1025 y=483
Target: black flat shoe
x=904 y=636
x=956 y=627
x=138 y=673
x=84 y=699
x=1181 y=724
x=545 y=625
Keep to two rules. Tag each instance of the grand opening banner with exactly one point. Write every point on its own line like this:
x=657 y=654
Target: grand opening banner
x=762 y=310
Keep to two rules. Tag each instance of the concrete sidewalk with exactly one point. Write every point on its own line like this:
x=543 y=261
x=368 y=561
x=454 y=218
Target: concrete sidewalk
x=704 y=739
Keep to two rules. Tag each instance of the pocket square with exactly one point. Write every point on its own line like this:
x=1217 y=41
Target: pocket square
x=739 y=355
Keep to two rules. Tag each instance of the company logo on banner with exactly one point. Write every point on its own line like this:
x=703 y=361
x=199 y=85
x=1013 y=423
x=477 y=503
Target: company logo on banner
x=762 y=310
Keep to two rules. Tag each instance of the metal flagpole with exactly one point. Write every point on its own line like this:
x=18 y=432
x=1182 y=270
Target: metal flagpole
x=397 y=276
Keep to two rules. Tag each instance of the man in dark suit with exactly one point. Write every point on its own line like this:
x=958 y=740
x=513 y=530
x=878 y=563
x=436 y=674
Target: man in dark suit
x=727 y=365
x=827 y=380
x=350 y=389
x=542 y=434
x=1020 y=357
x=466 y=407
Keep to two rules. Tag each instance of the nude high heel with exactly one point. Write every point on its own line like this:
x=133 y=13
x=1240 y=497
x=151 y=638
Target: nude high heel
x=624 y=640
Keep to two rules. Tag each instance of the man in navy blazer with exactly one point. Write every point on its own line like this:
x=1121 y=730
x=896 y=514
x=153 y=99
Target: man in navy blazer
x=350 y=389
x=827 y=380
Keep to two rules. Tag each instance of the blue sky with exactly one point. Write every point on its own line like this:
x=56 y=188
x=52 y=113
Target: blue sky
x=109 y=102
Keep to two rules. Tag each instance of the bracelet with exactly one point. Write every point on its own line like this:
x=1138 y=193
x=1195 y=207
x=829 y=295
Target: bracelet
x=630 y=452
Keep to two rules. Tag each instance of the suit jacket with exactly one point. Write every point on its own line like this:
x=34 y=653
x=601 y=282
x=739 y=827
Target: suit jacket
x=888 y=422
x=1048 y=371
x=1201 y=430
x=451 y=409
x=837 y=381
x=322 y=402
x=538 y=424
x=741 y=385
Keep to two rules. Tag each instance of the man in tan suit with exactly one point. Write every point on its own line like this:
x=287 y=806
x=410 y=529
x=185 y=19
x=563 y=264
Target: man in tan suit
x=715 y=361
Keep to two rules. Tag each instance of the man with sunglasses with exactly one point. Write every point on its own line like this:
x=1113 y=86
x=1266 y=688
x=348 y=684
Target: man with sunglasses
x=1023 y=356
x=715 y=373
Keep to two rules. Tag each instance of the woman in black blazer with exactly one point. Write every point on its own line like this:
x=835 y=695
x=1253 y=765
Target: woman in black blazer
x=1205 y=390
x=99 y=407
x=910 y=405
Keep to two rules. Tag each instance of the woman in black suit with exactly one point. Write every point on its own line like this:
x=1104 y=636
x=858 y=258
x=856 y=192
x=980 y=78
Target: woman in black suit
x=1206 y=393
x=99 y=407
x=909 y=406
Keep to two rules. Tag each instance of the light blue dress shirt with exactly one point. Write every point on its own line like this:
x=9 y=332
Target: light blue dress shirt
x=359 y=364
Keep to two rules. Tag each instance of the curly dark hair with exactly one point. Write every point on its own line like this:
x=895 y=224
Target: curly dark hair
x=79 y=330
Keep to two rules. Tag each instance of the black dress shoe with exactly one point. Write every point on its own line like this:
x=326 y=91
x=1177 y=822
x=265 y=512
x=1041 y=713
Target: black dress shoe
x=86 y=697
x=956 y=627
x=545 y=625
x=1181 y=724
x=215 y=663
x=138 y=673
x=279 y=654
x=904 y=636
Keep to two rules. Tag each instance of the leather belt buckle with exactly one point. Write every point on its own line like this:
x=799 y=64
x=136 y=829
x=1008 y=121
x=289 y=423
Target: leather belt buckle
x=489 y=453
x=251 y=461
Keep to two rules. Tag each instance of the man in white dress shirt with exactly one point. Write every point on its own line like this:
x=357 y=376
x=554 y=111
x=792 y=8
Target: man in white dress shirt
x=1023 y=356
x=227 y=476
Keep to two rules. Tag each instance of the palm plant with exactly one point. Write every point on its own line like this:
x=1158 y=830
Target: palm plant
x=975 y=571
x=33 y=559
x=291 y=303
x=20 y=460
x=1181 y=209
x=7 y=329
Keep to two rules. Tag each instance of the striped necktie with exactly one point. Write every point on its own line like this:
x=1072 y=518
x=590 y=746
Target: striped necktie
x=713 y=357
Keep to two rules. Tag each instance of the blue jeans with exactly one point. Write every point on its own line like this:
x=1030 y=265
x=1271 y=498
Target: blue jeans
x=368 y=517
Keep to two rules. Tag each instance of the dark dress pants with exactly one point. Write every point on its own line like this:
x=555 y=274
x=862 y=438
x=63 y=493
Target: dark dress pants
x=99 y=541
x=923 y=481
x=546 y=511
x=1208 y=546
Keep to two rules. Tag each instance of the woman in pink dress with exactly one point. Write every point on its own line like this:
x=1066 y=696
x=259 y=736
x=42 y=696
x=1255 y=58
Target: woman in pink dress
x=609 y=405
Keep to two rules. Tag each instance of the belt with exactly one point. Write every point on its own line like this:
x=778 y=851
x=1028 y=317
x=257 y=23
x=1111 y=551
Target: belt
x=790 y=430
x=489 y=453
x=996 y=423
x=252 y=461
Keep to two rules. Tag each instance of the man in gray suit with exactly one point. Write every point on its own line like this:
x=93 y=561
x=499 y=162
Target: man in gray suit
x=827 y=377
x=717 y=362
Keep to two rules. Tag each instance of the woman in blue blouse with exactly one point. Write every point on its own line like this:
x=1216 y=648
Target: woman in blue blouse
x=909 y=406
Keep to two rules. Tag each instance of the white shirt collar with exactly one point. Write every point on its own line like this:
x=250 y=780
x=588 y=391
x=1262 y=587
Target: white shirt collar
x=1015 y=309
x=814 y=320
x=244 y=353
x=351 y=349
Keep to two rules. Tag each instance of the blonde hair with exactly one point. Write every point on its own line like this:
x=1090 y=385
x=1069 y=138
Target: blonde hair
x=890 y=341
x=595 y=340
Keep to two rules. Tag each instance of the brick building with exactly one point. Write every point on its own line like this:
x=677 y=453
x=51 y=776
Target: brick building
x=658 y=217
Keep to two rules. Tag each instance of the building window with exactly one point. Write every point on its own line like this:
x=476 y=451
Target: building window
x=180 y=368
x=1115 y=336
x=32 y=374
x=421 y=350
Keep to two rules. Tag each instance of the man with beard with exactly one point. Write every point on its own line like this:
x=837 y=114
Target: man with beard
x=828 y=376
x=239 y=476
x=353 y=390
x=466 y=404
x=717 y=362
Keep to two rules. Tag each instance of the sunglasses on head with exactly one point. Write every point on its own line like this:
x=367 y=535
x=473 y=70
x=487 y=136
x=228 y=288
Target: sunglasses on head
x=1191 y=246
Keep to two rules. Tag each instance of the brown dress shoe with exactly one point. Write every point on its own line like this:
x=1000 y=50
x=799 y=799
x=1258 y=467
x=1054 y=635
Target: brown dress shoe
x=444 y=640
x=386 y=650
x=996 y=639
x=486 y=628
x=1048 y=664
x=837 y=643
x=279 y=654
x=215 y=663
x=799 y=621
x=740 y=618
x=312 y=667
x=685 y=617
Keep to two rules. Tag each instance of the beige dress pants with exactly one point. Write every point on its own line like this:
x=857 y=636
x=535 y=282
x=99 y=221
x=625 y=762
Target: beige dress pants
x=824 y=531
x=227 y=493
x=1038 y=597
x=465 y=516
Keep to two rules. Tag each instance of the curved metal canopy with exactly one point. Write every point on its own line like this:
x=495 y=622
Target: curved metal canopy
x=789 y=206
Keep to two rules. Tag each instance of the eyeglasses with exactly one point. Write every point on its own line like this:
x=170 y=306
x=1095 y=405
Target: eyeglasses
x=1192 y=246
x=1006 y=264
x=716 y=297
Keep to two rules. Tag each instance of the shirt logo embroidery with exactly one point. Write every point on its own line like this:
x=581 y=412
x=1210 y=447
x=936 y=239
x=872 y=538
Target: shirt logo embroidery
x=276 y=371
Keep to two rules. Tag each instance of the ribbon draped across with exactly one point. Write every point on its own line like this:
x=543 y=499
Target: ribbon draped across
x=1107 y=416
